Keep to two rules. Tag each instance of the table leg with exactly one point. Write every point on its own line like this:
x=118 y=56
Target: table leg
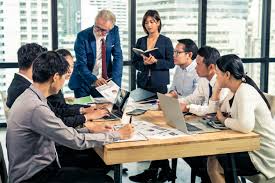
x=174 y=168
x=118 y=173
x=230 y=170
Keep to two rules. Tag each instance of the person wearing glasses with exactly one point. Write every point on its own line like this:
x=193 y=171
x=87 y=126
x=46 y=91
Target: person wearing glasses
x=185 y=78
x=153 y=73
x=98 y=56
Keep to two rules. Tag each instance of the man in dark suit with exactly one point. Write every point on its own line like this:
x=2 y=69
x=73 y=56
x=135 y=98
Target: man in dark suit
x=94 y=47
x=23 y=79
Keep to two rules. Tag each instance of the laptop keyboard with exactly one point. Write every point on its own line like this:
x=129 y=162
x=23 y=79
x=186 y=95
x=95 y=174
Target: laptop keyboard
x=111 y=116
x=192 y=128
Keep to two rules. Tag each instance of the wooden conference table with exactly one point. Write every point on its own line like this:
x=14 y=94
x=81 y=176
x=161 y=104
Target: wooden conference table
x=222 y=142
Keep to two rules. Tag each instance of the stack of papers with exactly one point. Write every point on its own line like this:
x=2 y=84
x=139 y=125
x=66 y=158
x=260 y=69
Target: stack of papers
x=145 y=130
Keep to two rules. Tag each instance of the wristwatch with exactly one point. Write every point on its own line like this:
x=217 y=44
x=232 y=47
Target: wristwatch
x=81 y=110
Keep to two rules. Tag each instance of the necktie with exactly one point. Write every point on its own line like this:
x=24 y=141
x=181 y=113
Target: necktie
x=210 y=90
x=103 y=56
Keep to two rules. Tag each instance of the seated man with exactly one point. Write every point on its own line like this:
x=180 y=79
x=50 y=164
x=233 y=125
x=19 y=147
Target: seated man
x=184 y=83
x=33 y=130
x=70 y=114
x=199 y=101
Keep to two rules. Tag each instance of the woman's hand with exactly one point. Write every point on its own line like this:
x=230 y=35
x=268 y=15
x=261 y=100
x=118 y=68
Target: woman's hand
x=220 y=117
x=149 y=60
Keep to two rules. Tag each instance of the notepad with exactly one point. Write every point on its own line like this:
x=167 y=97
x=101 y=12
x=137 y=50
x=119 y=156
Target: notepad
x=154 y=52
x=84 y=100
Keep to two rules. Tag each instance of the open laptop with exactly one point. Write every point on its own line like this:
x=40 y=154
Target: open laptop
x=172 y=112
x=140 y=94
x=119 y=105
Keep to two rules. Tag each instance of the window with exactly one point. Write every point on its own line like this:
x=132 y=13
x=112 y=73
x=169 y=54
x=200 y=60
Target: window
x=271 y=79
x=233 y=26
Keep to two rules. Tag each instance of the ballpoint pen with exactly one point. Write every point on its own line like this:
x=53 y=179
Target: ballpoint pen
x=130 y=121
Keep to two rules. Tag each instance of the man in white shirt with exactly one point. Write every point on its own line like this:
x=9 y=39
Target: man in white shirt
x=197 y=102
x=185 y=78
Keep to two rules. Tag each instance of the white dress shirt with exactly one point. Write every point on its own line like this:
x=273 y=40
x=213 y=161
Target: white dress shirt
x=185 y=80
x=97 y=71
x=199 y=102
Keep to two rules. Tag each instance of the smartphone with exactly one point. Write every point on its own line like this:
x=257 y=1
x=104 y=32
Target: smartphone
x=136 y=112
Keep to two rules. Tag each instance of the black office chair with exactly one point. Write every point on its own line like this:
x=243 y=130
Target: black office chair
x=3 y=169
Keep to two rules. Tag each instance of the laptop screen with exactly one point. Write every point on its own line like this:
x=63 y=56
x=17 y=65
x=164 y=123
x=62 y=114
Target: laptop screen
x=121 y=99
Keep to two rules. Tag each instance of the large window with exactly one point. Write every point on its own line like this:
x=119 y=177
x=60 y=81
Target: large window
x=21 y=23
x=234 y=26
x=271 y=82
x=74 y=16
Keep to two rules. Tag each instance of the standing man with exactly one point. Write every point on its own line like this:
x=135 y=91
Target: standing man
x=94 y=47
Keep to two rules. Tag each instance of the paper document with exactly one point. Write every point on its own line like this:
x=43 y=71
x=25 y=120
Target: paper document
x=109 y=91
x=83 y=100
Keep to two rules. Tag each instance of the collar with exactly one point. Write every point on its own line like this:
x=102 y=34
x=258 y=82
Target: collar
x=190 y=67
x=38 y=93
x=24 y=77
x=213 y=80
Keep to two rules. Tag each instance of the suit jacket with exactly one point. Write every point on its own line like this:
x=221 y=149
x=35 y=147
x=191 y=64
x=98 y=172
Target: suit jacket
x=85 y=52
x=68 y=113
x=18 y=85
x=160 y=70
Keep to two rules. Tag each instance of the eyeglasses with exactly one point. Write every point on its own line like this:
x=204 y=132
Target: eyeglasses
x=98 y=29
x=177 y=53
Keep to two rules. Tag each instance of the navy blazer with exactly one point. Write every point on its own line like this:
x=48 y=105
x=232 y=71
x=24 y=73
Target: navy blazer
x=85 y=52
x=160 y=70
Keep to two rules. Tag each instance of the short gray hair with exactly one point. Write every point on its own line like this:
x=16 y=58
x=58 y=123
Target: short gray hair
x=106 y=15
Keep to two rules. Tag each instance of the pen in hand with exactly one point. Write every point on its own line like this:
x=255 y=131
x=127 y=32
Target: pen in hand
x=130 y=121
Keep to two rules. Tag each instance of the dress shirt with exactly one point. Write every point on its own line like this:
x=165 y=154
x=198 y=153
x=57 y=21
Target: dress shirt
x=199 y=102
x=97 y=71
x=32 y=132
x=185 y=80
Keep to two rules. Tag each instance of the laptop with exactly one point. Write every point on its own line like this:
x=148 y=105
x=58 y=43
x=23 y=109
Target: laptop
x=175 y=118
x=119 y=105
x=140 y=94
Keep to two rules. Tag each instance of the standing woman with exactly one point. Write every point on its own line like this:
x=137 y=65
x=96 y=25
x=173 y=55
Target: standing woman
x=249 y=112
x=153 y=73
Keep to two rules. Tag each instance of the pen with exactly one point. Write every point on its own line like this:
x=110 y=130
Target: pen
x=130 y=121
x=109 y=79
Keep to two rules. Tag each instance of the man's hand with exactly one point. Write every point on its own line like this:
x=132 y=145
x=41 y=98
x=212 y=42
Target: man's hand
x=96 y=114
x=172 y=94
x=98 y=128
x=100 y=81
x=183 y=107
x=126 y=131
x=88 y=109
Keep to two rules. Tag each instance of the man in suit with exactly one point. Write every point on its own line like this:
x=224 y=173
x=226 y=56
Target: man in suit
x=23 y=79
x=94 y=47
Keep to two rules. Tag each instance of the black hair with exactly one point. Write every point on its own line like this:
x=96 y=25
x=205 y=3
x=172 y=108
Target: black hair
x=64 y=52
x=155 y=15
x=47 y=65
x=27 y=53
x=190 y=46
x=209 y=54
x=233 y=64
